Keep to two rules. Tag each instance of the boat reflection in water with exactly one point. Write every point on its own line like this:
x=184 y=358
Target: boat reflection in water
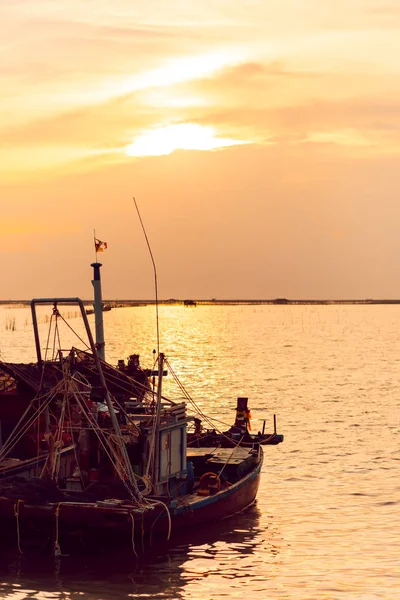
x=196 y=558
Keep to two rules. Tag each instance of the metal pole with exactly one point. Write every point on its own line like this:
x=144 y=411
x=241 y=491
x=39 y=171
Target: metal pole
x=36 y=334
x=156 y=468
x=98 y=310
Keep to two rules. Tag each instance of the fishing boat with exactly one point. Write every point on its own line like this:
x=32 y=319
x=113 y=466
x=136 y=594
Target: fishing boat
x=95 y=453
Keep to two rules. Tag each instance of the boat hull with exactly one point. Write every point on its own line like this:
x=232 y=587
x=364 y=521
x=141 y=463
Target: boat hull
x=68 y=524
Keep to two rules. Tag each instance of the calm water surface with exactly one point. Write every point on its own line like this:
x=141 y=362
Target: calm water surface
x=326 y=523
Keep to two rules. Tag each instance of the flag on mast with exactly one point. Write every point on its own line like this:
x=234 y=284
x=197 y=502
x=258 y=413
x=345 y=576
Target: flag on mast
x=99 y=245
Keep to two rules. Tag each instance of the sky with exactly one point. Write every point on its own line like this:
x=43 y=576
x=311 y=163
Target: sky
x=261 y=141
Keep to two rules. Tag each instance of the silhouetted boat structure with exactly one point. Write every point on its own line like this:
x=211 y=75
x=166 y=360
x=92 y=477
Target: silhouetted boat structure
x=105 y=308
x=189 y=303
x=92 y=452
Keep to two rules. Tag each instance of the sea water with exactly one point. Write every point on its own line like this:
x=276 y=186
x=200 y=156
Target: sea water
x=326 y=522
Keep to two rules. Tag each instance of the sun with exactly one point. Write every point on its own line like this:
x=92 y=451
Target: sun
x=183 y=136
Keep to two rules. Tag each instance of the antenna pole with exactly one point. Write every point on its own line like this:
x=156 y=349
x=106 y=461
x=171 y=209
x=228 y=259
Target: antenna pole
x=155 y=274
x=95 y=247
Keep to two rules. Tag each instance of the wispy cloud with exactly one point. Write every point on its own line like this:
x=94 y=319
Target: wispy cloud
x=82 y=84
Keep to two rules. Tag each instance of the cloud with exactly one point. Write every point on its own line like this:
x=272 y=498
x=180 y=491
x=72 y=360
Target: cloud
x=91 y=119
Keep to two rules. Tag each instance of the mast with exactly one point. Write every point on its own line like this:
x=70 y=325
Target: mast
x=156 y=469
x=98 y=310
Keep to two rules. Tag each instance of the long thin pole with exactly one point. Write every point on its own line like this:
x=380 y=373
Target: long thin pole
x=155 y=273
x=94 y=241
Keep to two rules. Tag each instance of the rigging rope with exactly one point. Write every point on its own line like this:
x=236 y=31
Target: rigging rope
x=17 y=433
x=16 y=514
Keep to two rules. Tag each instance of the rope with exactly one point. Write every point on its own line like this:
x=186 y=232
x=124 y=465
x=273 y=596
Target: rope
x=57 y=549
x=16 y=514
x=58 y=444
x=8 y=444
x=47 y=345
x=148 y=485
x=74 y=332
x=205 y=417
x=189 y=398
x=230 y=456
x=133 y=534
x=111 y=452
x=75 y=452
x=102 y=438
x=142 y=531
x=56 y=334
x=17 y=434
x=111 y=370
x=159 y=515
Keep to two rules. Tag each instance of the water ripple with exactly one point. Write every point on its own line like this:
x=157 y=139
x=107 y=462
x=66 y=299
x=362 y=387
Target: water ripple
x=326 y=525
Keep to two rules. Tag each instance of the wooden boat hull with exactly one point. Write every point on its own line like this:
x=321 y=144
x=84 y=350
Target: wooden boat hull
x=68 y=523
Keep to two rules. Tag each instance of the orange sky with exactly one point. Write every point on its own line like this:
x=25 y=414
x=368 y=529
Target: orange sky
x=261 y=140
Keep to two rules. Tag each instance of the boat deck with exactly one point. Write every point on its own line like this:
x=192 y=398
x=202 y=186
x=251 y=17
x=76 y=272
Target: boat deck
x=231 y=463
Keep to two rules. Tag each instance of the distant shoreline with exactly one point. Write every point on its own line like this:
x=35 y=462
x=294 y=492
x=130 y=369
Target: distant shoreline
x=216 y=302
